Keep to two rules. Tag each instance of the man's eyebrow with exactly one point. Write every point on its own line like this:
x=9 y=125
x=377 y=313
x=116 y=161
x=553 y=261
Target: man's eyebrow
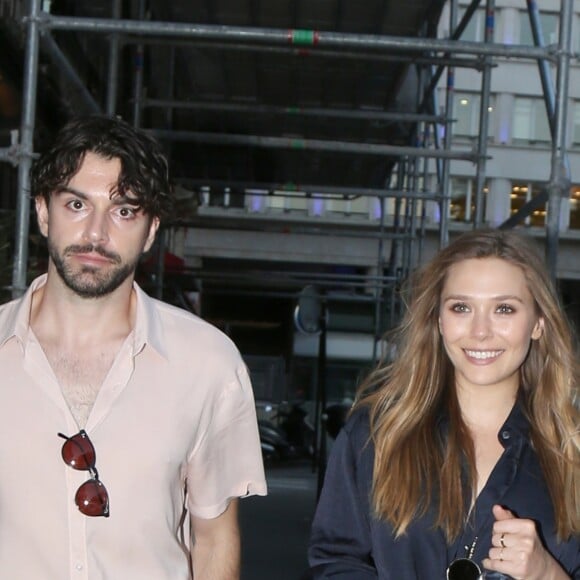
x=68 y=189
x=116 y=198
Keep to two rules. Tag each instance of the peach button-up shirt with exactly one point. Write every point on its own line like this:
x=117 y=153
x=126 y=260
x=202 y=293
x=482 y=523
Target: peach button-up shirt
x=174 y=427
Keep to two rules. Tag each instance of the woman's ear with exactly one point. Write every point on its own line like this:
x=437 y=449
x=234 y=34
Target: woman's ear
x=538 y=329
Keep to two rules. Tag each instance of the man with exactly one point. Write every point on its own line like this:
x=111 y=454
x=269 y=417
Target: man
x=128 y=425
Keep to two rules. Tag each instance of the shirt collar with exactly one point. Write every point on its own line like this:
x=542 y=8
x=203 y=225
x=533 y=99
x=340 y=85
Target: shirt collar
x=148 y=328
x=18 y=318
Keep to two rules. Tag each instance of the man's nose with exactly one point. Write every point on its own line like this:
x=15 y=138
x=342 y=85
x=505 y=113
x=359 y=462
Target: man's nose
x=96 y=230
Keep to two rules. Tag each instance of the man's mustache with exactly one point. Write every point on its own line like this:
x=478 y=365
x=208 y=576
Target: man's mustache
x=88 y=248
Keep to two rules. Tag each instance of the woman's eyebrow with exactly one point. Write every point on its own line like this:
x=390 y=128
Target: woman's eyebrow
x=497 y=298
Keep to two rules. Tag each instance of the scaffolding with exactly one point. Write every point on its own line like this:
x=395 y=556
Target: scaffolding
x=431 y=56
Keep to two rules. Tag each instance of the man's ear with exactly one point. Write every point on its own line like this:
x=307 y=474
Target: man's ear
x=42 y=214
x=153 y=227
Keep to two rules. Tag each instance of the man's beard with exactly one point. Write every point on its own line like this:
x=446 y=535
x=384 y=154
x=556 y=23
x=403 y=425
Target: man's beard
x=88 y=281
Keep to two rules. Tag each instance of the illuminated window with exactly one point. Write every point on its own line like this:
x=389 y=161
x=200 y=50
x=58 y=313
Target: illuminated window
x=575 y=207
x=522 y=193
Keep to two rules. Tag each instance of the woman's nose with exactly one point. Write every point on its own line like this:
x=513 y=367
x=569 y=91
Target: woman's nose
x=481 y=325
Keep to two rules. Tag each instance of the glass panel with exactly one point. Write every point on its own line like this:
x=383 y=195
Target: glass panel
x=541 y=125
x=576 y=121
x=549 y=28
x=473 y=31
x=522 y=118
x=465 y=109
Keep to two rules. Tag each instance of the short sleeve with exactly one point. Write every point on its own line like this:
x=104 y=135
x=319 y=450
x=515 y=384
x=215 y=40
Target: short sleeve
x=228 y=461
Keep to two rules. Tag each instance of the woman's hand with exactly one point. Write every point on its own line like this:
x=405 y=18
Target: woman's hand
x=518 y=551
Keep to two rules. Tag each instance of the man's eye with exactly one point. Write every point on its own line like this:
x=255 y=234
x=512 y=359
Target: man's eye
x=127 y=212
x=75 y=204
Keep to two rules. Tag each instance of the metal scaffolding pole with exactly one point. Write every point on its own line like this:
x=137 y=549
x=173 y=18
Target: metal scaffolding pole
x=313 y=38
x=30 y=74
x=445 y=203
x=311 y=144
x=139 y=71
x=113 y=68
x=9 y=154
x=559 y=185
x=367 y=115
x=484 y=117
x=443 y=61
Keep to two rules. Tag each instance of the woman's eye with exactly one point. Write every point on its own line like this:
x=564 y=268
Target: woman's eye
x=460 y=307
x=505 y=309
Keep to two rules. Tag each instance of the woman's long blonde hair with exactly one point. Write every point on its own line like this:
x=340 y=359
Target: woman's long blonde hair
x=413 y=467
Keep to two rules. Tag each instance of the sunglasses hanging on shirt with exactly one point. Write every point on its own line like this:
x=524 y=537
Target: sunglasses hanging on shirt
x=92 y=497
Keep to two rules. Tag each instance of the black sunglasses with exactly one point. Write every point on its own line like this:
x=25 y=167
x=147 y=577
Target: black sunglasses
x=91 y=497
x=465 y=568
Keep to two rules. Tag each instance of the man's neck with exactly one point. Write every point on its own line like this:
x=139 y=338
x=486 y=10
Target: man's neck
x=58 y=314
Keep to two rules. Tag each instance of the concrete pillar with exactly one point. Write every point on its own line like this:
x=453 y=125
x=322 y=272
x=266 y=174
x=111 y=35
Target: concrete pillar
x=498 y=202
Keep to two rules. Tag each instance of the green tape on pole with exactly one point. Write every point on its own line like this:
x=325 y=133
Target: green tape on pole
x=297 y=144
x=303 y=37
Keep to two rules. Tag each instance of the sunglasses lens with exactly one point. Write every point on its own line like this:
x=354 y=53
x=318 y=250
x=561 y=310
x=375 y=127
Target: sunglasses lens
x=463 y=569
x=92 y=498
x=78 y=452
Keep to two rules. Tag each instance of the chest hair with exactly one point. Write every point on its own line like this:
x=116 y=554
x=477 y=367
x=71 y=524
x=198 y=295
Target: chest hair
x=80 y=376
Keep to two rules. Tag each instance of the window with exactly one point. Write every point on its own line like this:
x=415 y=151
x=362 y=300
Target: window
x=530 y=120
x=548 y=26
x=522 y=193
x=576 y=123
x=462 y=206
x=466 y=112
x=475 y=29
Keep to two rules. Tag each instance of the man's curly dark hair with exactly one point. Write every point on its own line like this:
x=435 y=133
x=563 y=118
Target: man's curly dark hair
x=144 y=169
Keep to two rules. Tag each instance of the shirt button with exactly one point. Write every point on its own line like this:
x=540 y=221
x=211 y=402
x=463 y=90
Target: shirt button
x=79 y=567
x=505 y=435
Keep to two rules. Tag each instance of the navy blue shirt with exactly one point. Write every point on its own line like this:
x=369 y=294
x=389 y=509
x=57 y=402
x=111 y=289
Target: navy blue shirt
x=348 y=543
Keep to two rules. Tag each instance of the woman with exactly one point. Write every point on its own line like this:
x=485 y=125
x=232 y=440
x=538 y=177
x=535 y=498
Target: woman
x=460 y=459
